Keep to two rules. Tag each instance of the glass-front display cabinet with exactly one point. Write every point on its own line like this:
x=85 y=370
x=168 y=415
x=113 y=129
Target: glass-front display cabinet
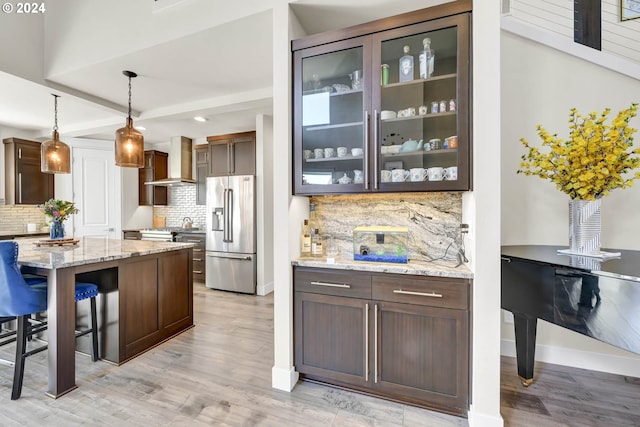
x=385 y=112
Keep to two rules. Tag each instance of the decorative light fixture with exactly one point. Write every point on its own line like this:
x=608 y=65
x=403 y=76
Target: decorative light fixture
x=55 y=156
x=129 y=142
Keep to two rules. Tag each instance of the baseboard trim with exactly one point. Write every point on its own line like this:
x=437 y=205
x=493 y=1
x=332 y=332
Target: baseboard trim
x=477 y=419
x=610 y=363
x=284 y=379
x=265 y=289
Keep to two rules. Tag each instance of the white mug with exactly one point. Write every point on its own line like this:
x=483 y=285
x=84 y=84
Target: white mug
x=307 y=154
x=399 y=175
x=436 y=173
x=356 y=152
x=329 y=152
x=318 y=153
x=342 y=151
x=451 y=173
x=385 y=175
x=417 y=174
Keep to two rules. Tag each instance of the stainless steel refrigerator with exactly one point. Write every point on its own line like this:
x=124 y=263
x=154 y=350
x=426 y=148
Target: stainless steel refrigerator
x=231 y=233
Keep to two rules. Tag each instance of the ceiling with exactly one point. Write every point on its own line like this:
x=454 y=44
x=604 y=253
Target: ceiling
x=221 y=71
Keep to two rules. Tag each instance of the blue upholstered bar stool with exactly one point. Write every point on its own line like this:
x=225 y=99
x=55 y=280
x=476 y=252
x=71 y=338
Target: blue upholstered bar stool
x=27 y=290
x=19 y=300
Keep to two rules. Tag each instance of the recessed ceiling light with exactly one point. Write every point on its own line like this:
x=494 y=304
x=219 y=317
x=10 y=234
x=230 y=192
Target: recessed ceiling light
x=199 y=119
x=140 y=127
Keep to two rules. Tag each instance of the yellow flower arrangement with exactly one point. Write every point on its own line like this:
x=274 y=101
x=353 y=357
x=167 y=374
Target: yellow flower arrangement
x=594 y=159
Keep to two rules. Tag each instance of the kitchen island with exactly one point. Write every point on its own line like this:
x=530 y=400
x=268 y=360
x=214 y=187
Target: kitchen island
x=146 y=297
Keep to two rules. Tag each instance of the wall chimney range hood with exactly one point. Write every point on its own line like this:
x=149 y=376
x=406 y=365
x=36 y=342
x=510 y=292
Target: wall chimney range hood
x=180 y=164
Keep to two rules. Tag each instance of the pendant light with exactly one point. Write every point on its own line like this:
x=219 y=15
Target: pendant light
x=129 y=141
x=55 y=156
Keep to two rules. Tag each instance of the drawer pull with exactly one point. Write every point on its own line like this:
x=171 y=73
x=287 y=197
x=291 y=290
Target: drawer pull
x=197 y=250
x=197 y=271
x=420 y=294
x=193 y=240
x=331 y=285
x=197 y=259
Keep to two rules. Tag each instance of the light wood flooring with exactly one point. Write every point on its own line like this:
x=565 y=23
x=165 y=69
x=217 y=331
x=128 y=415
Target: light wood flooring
x=219 y=373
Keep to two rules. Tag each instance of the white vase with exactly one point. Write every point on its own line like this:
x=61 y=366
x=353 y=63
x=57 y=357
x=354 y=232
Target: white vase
x=584 y=226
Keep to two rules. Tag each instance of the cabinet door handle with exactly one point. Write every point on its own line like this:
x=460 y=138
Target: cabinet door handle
x=505 y=259
x=19 y=187
x=331 y=285
x=375 y=151
x=366 y=342
x=366 y=143
x=420 y=294
x=19 y=153
x=375 y=345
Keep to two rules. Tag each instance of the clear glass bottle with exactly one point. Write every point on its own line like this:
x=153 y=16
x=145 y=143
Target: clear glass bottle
x=406 y=66
x=427 y=59
x=305 y=239
x=316 y=244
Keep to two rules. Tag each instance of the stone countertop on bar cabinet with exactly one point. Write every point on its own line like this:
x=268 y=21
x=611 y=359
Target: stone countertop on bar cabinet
x=420 y=268
x=89 y=250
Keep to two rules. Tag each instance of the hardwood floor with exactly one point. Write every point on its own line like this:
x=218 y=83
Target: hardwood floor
x=219 y=373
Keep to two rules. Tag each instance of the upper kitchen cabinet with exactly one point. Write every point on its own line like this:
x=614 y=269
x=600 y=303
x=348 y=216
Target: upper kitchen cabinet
x=25 y=184
x=384 y=106
x=232 y=154
x=155 y=168
x=202 y=171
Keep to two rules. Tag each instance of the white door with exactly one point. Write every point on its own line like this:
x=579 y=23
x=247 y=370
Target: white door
x=94 y=192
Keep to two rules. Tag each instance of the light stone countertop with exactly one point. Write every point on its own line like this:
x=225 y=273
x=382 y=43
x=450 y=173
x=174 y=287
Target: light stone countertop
x=88 y=250
x=422 y=268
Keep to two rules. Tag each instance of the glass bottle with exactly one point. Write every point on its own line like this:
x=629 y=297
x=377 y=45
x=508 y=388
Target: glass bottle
x=316 y=244
x=305 y=240
x=427 y=59
x=406 y=66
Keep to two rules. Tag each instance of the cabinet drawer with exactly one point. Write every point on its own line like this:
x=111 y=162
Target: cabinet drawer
x=435 y=292
x=333 y=282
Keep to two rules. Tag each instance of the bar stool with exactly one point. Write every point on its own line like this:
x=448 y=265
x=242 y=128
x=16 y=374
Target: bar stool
x=20 y=298
x=19 y=301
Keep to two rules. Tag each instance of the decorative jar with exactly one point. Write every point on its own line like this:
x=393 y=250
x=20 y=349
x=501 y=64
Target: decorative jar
x=56 y=231
x=584 y=226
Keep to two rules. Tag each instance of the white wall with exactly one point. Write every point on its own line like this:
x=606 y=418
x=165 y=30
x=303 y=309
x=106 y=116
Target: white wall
x=480 y=209
x=540 y=85
x=264 y=185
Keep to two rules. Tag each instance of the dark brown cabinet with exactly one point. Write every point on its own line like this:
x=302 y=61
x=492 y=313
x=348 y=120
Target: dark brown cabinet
x=232 y=154
x=356 y=121
x=25 y=184
x=155 y=167
x=202 y=172
x=405 y=338
x=199 y=242
x=159 y=302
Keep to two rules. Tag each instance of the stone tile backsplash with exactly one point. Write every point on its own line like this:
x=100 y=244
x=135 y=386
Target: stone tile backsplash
x=182 y=203
x=433 y=220
x=14 y=218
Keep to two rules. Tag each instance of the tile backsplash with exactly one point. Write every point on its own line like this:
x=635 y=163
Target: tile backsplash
x=433 y=220
x=14 y=218
x=182 y=203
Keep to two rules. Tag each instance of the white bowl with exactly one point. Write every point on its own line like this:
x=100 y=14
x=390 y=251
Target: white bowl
x=386 y=114
x=394 y=149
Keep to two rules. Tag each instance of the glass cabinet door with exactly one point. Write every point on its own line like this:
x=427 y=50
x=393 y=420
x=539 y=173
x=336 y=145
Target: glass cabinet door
x=331 y=117
x=420 y=107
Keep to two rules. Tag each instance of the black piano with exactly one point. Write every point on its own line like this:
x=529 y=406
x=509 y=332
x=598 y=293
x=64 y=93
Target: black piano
x=596 y=298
